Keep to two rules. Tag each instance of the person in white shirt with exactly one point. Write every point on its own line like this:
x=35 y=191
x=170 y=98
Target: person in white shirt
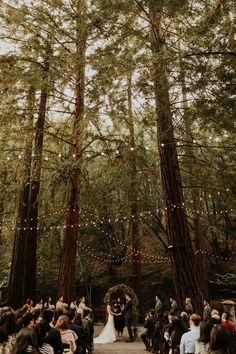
x=188 y=340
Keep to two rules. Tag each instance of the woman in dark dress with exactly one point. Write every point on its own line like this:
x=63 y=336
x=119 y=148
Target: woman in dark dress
x=119 y=318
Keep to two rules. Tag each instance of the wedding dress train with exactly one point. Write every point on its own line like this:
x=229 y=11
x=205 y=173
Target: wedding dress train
x=108 y=333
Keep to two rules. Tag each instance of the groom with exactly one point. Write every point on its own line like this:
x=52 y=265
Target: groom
x=128 y=315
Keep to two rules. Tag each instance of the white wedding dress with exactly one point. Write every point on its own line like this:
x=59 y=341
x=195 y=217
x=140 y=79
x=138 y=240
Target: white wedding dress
x=108 y=333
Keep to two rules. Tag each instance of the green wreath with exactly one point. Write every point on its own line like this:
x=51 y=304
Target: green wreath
x=120 y=291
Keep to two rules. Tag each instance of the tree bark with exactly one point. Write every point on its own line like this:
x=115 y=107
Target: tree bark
x=32 y=220
x=195 y=193
x=67 y=276
x=19 y=256
x=183 y=264
x=133 y=195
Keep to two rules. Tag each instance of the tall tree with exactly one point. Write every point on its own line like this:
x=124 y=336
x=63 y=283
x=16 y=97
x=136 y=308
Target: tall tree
x=183 y=264
x=68 y=258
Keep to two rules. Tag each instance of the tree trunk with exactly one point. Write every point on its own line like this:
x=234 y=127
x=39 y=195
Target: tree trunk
x=32 y=220
x=193 y=179
x=19 y=255
x=68 y=259
x=133 y=195
x=183 y=264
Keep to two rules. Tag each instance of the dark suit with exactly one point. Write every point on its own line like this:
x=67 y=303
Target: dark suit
x=158 y=308
x=128 y=315
x=54 y=339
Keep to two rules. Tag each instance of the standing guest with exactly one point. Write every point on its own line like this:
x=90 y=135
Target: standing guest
x=188 y=340
x=73 y=305
x=119 y=320
x=174 y=306
x=188 y=306
x=202 y=344
x=207 y=310
x=29 y=303
x=82 y=305
x=128 y=315
x=48 y=304
x=7 y=330
x=68 y=337
x=227 y=324
x=54 y=336
x=39 y=304
x=221 y=341
x=60 y=304
x=158 y=306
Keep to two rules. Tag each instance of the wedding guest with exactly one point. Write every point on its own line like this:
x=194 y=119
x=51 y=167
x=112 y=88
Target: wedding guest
x=42 y=329
x=149 y=324
x=39 y=304
x=158 y=306
x=54 y=336
x=221 y=341
x=178 y=329
x=174 y=306
x=7 y=330
x=207 y=310
x=188 y=306
x=26 y=342
x=60 y=304
x=188 y=340
x=48 y=304
x=68 y=337
x=227 y=324
x=202 y=344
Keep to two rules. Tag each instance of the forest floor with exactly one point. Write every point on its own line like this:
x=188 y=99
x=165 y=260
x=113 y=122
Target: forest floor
x=120 y=347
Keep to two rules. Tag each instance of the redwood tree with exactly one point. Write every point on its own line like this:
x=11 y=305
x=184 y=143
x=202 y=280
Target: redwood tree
x=183 y=264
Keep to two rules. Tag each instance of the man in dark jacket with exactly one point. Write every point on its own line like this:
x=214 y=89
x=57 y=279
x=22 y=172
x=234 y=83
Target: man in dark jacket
x=149 y=324
x=54 y=336
x=128 y=315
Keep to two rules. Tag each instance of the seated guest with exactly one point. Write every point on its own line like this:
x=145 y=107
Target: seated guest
x=221 y=341
x=42 y=329
x=26 y=342
x=188 y=340
x=202 y=344
x=54 y=336
x=178 y=329
x=227 y=324
x=68 y=337
x=149 y=324
x=7 y=330
x=77 y=329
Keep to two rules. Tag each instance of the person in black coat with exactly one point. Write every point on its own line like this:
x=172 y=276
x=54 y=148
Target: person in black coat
x=128 y=315
x=54 y=336
x=149 y=324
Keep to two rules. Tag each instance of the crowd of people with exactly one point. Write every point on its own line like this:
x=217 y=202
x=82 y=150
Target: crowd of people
x=55 y=329
x=46 y=328
x=186 y=332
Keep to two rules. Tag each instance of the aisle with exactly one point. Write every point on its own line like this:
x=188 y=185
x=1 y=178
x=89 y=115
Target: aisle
x=119 y=347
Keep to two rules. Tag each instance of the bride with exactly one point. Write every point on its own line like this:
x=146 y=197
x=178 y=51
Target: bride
x=108 y=333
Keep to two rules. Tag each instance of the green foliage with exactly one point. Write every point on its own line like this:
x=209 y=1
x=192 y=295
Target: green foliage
x=223 y=286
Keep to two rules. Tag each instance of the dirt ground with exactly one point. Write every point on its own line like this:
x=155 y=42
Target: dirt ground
x=120 y=347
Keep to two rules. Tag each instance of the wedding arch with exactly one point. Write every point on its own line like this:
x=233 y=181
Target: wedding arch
x=119 y=291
